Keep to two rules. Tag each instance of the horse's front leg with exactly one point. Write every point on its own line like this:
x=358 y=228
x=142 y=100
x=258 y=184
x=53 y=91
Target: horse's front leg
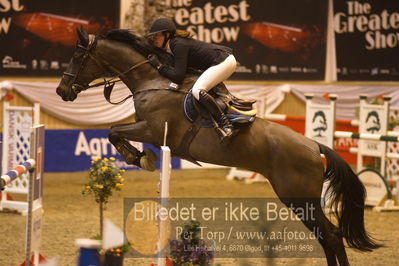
x=118 y=136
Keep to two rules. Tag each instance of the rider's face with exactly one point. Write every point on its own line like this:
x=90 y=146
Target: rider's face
x=158 y=39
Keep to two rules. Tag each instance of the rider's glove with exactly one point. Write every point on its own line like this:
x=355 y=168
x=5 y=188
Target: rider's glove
x=154 y=61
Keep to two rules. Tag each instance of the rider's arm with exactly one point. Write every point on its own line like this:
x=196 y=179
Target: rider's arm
x=177 y=73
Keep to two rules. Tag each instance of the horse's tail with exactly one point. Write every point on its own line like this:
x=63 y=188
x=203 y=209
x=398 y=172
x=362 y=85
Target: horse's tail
x=347 y=189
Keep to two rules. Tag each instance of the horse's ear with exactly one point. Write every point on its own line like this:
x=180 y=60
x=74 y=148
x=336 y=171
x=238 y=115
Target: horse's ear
x=83 y=36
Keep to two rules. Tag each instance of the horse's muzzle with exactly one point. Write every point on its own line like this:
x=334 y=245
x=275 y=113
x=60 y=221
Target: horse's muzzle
x=66 y=95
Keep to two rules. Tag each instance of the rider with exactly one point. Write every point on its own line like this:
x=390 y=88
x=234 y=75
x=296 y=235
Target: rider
x=217 y=62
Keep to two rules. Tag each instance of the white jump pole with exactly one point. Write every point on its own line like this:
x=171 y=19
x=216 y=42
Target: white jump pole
x=368 y=144
x=320 y=126
x=35 y=186
x=320 y=120
x=11 y=175
x=35 y=208
x=164 y=198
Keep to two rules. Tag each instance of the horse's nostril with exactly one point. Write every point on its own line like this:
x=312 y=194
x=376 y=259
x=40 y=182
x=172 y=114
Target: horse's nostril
x=59 y=91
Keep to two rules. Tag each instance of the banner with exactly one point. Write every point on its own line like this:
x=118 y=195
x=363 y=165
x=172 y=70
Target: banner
x=72 y=150
x=37 y=37
x=367 y=39
x=271 y=39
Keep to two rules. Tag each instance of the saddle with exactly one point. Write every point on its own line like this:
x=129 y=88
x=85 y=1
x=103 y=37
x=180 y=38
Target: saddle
x=238 y=111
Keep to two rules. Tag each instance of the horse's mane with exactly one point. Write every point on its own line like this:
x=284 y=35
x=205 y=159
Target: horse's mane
x=138 y=43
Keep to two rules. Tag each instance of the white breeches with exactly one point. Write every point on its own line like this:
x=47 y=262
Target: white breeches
x=214 y=75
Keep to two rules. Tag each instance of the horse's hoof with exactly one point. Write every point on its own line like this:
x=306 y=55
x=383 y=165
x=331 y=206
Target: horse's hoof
x=147 y=161
x=130 y=159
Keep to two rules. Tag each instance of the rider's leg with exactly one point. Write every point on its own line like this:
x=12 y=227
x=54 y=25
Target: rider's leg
x=214 y=75
x=210 y=78
x=209 y=103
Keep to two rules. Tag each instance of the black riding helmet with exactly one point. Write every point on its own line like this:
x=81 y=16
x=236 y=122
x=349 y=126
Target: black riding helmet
x=162 y=25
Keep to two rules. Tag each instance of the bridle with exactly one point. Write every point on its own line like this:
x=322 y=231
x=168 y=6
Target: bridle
x=108 y=83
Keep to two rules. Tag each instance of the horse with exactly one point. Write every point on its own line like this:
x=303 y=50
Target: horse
x=291 y=161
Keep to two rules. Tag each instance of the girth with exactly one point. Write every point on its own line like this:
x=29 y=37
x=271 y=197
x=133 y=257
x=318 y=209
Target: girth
x=183 y=151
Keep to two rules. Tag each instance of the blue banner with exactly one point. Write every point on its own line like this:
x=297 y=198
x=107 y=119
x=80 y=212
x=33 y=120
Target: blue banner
x=72 y=150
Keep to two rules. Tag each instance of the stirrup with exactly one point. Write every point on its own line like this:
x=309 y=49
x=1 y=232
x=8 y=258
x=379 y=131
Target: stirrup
x=223 y=135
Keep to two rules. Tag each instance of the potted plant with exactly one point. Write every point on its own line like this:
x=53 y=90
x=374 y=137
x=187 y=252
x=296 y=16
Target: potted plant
x=104 y=178
x=114 y=256
x=192 y=251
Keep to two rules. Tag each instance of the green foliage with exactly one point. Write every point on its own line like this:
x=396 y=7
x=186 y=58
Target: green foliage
x=104 y=177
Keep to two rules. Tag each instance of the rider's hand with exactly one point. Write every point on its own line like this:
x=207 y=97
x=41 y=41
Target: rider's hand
x=154 y=61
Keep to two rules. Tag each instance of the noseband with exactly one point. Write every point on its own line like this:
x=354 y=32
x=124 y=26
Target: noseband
x=76 y=87
x=108 y=84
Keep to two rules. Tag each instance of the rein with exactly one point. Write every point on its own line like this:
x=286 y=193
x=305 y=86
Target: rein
x=110 y=83
x=114 y=79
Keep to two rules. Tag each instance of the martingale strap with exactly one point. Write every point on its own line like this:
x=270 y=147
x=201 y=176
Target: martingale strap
x=108 y=86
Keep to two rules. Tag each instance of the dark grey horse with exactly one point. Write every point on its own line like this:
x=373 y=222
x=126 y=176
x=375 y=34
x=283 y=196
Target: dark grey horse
x=290 y=161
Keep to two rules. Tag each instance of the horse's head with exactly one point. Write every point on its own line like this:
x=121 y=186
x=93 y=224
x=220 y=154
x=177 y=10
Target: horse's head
x=116 y=53
x=82 y=69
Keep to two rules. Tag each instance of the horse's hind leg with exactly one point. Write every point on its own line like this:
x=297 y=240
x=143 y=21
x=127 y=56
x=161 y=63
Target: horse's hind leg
x=330 y=238
x=327 y=234
x=305 y=187
x=336 y=242
x=136 y=132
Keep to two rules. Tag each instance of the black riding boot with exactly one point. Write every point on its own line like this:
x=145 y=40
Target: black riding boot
x=225 y=128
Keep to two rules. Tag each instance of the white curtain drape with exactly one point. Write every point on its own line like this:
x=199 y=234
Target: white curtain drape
x=90 y=108
x=347 y=96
